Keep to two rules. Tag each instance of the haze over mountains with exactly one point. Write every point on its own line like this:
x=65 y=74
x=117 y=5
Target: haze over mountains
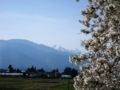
x=23 y=54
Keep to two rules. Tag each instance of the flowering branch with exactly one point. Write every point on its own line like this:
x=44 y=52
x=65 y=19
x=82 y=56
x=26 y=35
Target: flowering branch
x=102 y=19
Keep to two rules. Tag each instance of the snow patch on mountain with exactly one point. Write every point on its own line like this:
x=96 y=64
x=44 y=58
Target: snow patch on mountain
x=60 y=48
x=57 y=47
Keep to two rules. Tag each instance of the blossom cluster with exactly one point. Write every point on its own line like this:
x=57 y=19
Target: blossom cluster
x=102 y=19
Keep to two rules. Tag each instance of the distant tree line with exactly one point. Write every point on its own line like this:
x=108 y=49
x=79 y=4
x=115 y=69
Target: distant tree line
x=70 y=71
x=66 y=71
x=11 y=69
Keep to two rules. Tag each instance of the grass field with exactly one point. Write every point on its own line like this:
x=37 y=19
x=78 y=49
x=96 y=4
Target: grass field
x=35 y=84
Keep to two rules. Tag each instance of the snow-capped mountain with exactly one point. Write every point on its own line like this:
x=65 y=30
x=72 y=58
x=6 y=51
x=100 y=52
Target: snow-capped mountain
x=57 y=47
x=75 y=50
x=22 y=54
x=60 y=48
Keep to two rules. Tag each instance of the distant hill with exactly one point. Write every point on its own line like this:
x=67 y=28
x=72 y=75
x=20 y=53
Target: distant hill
x=23 y=54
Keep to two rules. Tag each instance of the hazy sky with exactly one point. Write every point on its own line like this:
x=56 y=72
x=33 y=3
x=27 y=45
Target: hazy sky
x=46 y=22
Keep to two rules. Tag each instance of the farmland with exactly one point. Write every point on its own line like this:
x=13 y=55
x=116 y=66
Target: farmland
x=35 y=84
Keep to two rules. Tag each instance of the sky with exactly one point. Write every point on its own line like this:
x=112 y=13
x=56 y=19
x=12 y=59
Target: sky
x=48 y=22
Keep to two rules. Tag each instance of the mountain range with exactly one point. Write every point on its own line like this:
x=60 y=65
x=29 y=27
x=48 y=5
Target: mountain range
x=23 y=54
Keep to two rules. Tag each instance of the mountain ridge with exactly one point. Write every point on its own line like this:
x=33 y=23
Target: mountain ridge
x=24 y=53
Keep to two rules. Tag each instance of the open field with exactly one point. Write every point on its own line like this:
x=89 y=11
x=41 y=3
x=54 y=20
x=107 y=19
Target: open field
x=35 y=84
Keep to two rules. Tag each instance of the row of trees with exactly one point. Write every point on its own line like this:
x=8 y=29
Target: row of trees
x=67 y=70
x=11 y=69
x=70 y=71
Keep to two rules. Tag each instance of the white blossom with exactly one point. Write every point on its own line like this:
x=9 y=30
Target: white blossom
x=103 y=71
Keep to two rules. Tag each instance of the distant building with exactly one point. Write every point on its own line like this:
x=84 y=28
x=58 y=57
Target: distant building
x=6 y=74
x=65 y=76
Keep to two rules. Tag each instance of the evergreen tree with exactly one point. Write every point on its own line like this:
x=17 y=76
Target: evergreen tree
x=10 y=68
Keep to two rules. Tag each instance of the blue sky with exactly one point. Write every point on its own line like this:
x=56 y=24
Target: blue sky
x=46 y=22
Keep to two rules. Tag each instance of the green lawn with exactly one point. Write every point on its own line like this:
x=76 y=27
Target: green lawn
x=63 y=87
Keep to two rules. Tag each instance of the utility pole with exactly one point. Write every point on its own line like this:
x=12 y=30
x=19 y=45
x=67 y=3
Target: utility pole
x=68 y=78
x=68 y=83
